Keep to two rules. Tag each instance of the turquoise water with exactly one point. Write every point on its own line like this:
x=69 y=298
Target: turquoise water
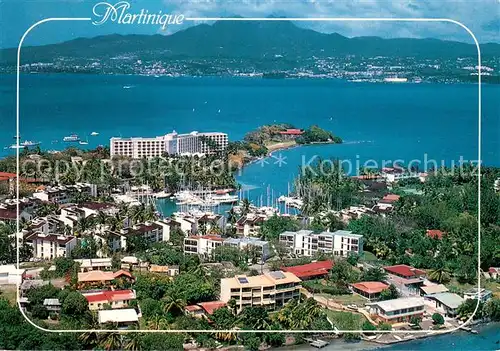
x=381 y=122
x=377 y=121
x=487 y=339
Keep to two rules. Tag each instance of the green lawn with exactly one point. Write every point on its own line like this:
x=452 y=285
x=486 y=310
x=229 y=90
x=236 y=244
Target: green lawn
x=345 y=320
x=367 y=256
x=348 y=299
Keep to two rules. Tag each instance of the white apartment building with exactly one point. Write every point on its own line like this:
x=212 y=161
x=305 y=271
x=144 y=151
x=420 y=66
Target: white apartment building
x=172 y=143
x=262 y=246
x=272 y=290
x=50 y=246
x=202 y=245
x=65 y=194
x=307 y=243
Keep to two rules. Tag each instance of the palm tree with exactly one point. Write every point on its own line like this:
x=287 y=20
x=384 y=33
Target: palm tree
x=439 y=275
x=101 y=219
x=245 y=206
x=112 y=340
x=173 y=303
x=91 y=339
x=115 y=222
x=84 y=224
x=132 y=342
x=157 y=322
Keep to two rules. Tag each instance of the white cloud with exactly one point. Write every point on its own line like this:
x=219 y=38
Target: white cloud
x=474 y=14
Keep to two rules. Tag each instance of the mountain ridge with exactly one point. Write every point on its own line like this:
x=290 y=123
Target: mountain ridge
x=248 y=40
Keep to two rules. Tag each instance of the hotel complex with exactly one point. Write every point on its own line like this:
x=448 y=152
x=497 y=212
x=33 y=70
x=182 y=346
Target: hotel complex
x=308 y=243
x=172 y=144
x=270 y=290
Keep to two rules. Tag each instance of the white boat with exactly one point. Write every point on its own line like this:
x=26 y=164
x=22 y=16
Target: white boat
x=27 y=143
x=73 y=138
x=224 y=198
x=127 y=86
x=81 y=142
x=395 y=80
x=161 y=195
x=94 y=133
x=14 y=146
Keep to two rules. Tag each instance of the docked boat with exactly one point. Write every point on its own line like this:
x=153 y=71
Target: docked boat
x=223 y=198
x=28 y=143
x=73 y=138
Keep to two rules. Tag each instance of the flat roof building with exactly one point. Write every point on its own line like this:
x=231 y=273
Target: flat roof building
x=308 y=243
x=270 y=290
x=397 y=310
x=172 y=144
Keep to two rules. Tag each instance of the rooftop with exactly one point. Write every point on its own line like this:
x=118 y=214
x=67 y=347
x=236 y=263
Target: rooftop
x=399 y=304
x=404 y=270
x=118 y=315
x=370 y=287
x=434 y=289
x=211 y=306
x=448 y=299
x=310 y=269
x=116 y=295
x=267 y=279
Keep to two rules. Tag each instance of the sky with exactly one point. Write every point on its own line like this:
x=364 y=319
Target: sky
x=481 y=16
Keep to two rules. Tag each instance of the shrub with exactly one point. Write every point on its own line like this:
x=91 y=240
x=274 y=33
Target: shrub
x=385 y=326
x=437 y=319
x=39 y=312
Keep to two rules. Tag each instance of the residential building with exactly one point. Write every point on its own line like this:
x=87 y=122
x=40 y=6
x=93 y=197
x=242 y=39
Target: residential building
x=307 y=243
x=194 y=311
x=494 y=272
x=433 y=289
x=9 y=274
x=204 y=309
x=271 y=290
x=312 y=270
x=397 y=310
x=291 y=133
x=202 y=244
x=99 y=278
x=31 y=283
x=370 y=290
x=245 y=243
x=445 y=302
x=478 y=294
x=92 y=264
x=172 y=144
x=115 y=299
x=249 y=224
x=406 y=278
x=123 y=318
x=52 y=305
x=170 y=271
x=65 y=194
x=50 y=246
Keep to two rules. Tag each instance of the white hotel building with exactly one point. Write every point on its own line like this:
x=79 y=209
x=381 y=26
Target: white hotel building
x=308 y=243
x=172 y=143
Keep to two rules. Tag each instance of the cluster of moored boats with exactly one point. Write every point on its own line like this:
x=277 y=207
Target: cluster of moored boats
x=73 y=138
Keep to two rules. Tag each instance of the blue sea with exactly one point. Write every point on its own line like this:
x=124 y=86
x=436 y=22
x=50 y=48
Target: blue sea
x=378 y=122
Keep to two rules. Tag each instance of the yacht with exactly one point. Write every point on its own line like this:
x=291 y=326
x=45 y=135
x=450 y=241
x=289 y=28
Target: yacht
x=71 y=138
x=94 y=133
x=27 y=143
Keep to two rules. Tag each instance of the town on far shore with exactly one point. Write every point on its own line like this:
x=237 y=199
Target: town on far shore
x=385 y=249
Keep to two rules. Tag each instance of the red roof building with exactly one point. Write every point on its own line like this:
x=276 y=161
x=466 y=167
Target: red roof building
x=311 y=270
x=390 y=198
x=370 y=290
x=435 y=234
x=211 y=306
x=117 y=299
x=404 y=271
x=293 y=131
